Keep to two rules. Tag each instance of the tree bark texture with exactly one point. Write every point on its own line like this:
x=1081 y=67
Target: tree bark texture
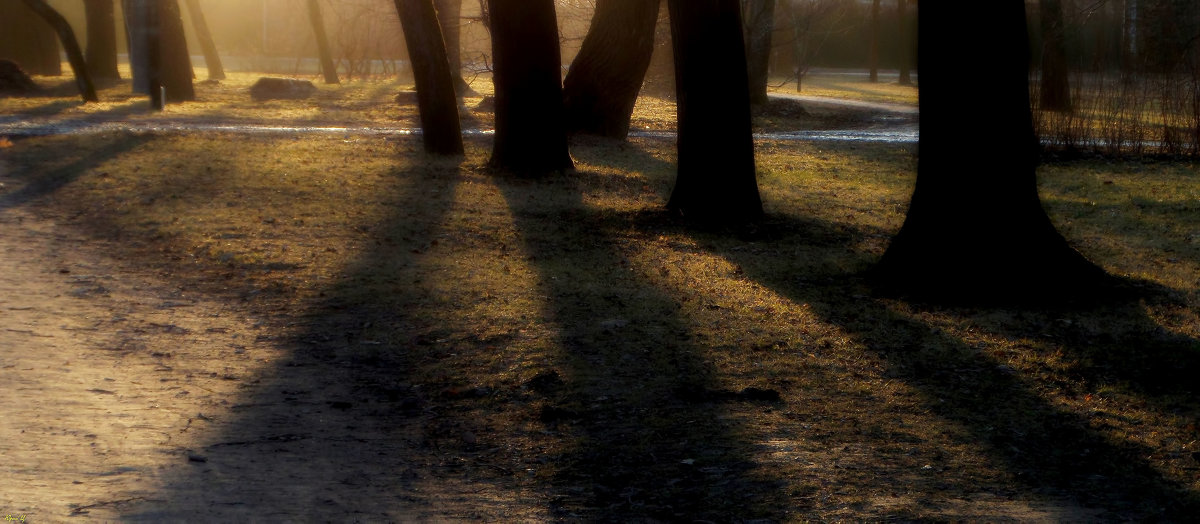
x=74 y=54
x=436 y=102
x=449 y=14
x=176 y=62
x=212 y=59
x=531 y=139
x=28 y=40
x=1055 y=86
x=975 y=229
x=716 y=182
x=759 y=21
x=874 y=51
x=101 y=39
x=604 y=81
x=328 y=68
x=905 y=45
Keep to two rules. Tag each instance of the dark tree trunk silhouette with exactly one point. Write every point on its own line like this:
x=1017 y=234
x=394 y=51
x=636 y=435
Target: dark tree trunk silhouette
x=176 y=62
x=716 y=181
x=874 y=58
x=101 y=39
x=449 y=14
x=1055 y=86
x=436 y=101
x=975 y=229
x=328 y=68
x=212 y=59
x=759 y=20
x=530 y=137
x=74 y=54
x=604 y=81
x=905 y=44
x=28 y=40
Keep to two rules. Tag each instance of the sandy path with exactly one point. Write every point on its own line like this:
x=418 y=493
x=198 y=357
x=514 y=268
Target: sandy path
x=109 y=377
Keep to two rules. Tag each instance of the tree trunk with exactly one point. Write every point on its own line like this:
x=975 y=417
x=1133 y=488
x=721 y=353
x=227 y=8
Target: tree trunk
x=318 y=23
x=975 y=229
x=1055 y=86
x=101 y=39
x=28 y=40
x=905 y=45
x=436 y=101
x=526 y=70
x=874 y=58
x=759 y=22
x=212 y=59
x=449 y=14
x=716 y=181
x=176 y=62
x=606 y=76
x=74 y=54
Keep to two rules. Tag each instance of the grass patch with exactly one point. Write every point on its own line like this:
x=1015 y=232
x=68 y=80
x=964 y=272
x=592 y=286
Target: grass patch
x=611 y=363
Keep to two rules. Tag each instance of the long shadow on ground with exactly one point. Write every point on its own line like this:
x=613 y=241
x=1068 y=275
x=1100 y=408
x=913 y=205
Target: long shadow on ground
x=636 y=398
x=1050 y=451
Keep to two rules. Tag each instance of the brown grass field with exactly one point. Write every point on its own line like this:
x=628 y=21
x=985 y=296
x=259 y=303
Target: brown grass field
x=477 y=346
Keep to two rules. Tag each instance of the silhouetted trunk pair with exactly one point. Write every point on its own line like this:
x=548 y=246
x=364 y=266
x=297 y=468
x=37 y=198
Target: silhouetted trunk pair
x=159 y=54
x=975 y=228
x=83 y=79
x=604 y=81
x=530 y=135
x=436 y=100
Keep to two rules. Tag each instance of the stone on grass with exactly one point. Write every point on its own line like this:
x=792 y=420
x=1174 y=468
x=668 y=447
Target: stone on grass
x=281 y=89
x=13 y=79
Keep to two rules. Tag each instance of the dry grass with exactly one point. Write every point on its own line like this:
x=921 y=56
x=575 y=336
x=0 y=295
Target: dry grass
x=599 y=352
x=851 y=87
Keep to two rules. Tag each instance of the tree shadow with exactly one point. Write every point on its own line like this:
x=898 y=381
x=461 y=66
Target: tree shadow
x=1050 y=450
x=337 y=426
x=643 y=410
x=38 y=183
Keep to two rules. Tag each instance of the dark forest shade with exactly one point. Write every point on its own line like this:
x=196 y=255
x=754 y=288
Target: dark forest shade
x=604 y=81
x=101 y=39
x=905 y=47
x=873 y=58
x=530 y=136
x=976 y=230
x=83 y=80
x=759 y=21
x=328 y=68
x=436 y=101
x=716 y=181
x=28 y=40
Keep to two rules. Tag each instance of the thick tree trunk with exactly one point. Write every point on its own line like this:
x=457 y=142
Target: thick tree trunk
x=212 y=59
x=74 y=54
x=176 y=62
x=435 y=86
x=101 y=39
x=28 y=40
x=526 y=70
x=1055 y=86
x=318 y=23
x=975 y=229
x=449 y=14
x=606 y=76
x=759 y=21
x=874 y=58
x=905 y=45
x=716 y=181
